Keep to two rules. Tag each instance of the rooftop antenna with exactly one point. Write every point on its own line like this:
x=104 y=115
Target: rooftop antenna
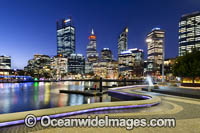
x=92 y=32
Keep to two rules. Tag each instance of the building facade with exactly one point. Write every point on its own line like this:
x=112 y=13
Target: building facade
x=76 y=64
x=92 y=54
x=131 y=63
x=123 y=41
x=59 y=66
x=106 y=70
x=88 y=68
x=5 y=62
x=106 y=54
x=155 y=47
x=65 y=37
x=189 y=33
x=39 y=66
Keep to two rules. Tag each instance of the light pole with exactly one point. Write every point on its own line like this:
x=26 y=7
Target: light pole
x=163 y=65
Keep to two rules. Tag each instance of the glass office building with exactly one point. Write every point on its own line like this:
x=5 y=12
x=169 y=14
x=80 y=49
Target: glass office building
x=155 y=46
x=76 y=64
x=92 y=54
x=5 y=62
x=65 y=37
x=189 y=33
x=123 y=41
x=131 y=63
x=106 y=54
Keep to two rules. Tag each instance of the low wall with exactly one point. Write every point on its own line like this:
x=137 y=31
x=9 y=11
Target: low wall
x=190 y=84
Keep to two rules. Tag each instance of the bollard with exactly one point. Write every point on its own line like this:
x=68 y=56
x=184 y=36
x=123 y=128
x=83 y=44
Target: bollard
x=124 y=81
x=100 y=85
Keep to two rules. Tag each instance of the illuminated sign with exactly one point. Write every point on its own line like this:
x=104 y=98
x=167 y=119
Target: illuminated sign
x=67 y=20
x=92 y=37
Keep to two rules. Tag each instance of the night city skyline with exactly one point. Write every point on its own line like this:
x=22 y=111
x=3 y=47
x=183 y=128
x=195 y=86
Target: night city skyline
x=100 y=66
x=32 y=29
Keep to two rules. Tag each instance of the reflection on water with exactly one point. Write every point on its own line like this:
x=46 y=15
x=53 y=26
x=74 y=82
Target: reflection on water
x=17 y=97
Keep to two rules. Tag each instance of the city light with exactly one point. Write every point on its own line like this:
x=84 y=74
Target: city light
x=118 y=64
x=149 y=40
x=67 y=20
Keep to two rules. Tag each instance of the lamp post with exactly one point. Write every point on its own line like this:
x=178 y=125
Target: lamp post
x=163 y=65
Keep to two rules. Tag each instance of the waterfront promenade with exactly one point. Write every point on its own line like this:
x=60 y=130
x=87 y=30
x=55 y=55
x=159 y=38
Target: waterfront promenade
x=185 y=110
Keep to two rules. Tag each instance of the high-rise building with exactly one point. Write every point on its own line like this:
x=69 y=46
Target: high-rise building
x=65 y=37
x=189 y=33
x=92 y=54
x=5 y=62
x=131 y=63
x=106 y=54
x=76 y=64
x=155 y=41
x=123 y=41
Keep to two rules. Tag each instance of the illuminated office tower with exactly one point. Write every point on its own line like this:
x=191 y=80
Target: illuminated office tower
x=65 y=37
x=39 y=66
x=122 y=41
x=5 y=62
x=131 y=63
x=60 y=65
x=92 y=54
x=189 y=33
x=106 y=54
x=155 y=41
x=76 y=64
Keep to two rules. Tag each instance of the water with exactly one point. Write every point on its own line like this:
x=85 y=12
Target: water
x=149 y=80
x=18 y=97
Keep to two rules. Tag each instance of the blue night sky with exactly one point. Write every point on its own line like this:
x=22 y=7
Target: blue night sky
x=28 y=27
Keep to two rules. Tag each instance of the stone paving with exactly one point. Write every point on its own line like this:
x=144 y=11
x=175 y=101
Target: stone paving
x=183 y=126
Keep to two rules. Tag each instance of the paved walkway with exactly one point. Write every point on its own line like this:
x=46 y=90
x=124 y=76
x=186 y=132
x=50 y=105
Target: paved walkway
x=183 y=126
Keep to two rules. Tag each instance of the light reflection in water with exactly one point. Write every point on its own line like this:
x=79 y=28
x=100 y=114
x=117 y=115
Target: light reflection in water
x=63 y=98
x=47 y=94
x=17 y=97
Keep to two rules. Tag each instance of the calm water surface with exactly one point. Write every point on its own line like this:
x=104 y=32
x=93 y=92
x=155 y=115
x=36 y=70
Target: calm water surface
x=18 y=97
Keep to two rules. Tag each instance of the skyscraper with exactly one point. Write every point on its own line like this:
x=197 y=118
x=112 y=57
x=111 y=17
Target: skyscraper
x=123 y=41
x=65 y=37
x=189 y=33
x=155 y=41
x=106 y=54
x=92 y=54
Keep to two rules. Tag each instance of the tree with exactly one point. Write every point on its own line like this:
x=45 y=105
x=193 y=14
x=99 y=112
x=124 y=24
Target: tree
x=188 y=66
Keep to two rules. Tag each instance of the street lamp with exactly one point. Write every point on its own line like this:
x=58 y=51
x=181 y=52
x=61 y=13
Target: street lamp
x=163 y=66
